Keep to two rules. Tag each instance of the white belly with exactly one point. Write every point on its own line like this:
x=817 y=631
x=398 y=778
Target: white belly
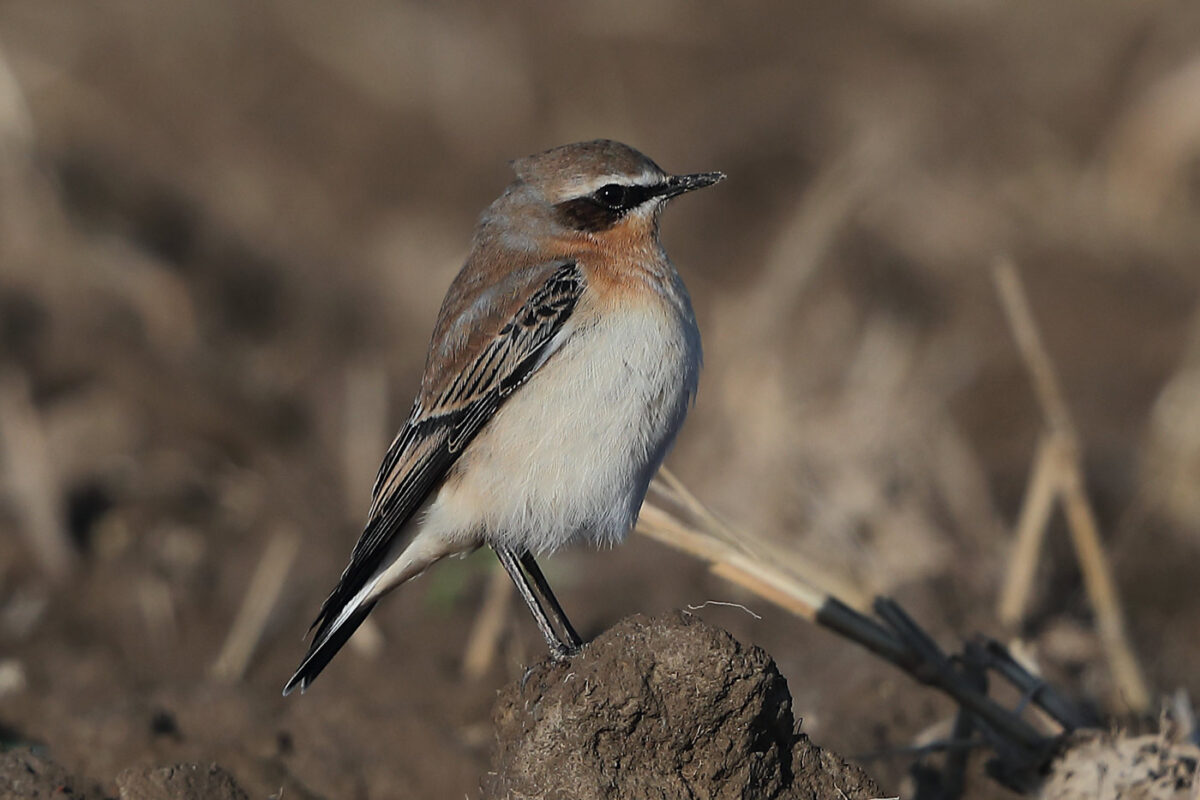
x=571 y=453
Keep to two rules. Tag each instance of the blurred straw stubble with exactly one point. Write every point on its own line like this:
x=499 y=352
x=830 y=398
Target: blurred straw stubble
x=225 y=229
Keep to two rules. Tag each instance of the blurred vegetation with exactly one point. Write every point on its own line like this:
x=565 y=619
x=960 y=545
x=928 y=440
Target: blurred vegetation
x=225 y=229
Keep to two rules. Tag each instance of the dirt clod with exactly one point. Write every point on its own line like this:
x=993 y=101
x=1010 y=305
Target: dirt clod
x=660 y=708
x=25 y=774
x=1107 y=765
x=179 y=782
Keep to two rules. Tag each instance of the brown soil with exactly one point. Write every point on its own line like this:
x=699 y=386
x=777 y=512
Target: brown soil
x=225 y=229
x=181 y=782
x=660 y=708
x=25 y=774
x=1121 y=765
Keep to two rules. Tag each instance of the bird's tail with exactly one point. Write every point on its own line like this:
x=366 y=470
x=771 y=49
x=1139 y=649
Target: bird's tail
x=357 y=593
x=330 y=637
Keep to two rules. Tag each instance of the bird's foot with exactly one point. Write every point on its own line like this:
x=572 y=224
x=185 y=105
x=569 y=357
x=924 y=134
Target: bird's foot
x=560 y=652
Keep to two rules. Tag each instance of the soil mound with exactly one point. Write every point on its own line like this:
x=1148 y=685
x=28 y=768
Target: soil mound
x=28 y=775
x=179 y=782
x=660 y=708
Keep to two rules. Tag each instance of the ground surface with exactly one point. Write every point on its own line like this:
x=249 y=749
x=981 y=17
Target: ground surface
x=660 y=708
x=225 y=229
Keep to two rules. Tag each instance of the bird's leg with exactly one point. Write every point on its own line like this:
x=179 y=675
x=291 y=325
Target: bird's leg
x=512 y=565
x=535 y=572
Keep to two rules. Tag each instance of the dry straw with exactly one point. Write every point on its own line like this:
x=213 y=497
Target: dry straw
x=1058 y=474
x=674 y=516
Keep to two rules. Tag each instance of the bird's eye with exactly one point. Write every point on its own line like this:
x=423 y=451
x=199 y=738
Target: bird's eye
x=612 y=195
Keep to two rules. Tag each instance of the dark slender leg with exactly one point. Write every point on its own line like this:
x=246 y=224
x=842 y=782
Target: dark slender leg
x=539 y=580
x=512 y=565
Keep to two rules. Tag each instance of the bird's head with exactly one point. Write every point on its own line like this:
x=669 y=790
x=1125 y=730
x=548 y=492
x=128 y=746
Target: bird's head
x=601 y=189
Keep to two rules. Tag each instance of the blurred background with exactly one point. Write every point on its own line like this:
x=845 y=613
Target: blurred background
x=226 y=228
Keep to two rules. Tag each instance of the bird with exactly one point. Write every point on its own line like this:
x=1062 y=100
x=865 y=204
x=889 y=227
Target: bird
x=564 y=358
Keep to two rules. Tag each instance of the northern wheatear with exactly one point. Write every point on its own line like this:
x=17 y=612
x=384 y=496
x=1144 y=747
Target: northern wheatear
x=563 y=361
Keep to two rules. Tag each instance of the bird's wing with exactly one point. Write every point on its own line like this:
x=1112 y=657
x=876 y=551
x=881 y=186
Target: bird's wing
x=450 y=410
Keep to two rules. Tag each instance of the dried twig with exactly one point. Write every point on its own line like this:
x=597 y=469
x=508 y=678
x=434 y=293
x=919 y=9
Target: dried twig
x=1031 y=528
x=484 y=640
x=823 y=209
x=1060 y=459
x=1102 y=589
x=263 y=592
x=30 y=478
x=368 y=641
x=1021 y=749
x=1033 y=350
x=683 y=495
x=789 y=568
x=767 y=581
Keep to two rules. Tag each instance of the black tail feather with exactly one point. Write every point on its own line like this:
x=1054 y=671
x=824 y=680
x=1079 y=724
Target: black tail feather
x=324 y=647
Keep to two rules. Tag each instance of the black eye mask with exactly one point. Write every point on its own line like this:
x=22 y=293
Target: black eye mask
x=604 y=207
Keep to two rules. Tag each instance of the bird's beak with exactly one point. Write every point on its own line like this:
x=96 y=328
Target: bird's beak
x=678 y=184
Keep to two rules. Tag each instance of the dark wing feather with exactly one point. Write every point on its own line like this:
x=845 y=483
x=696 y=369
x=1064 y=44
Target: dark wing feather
x=431 y=440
